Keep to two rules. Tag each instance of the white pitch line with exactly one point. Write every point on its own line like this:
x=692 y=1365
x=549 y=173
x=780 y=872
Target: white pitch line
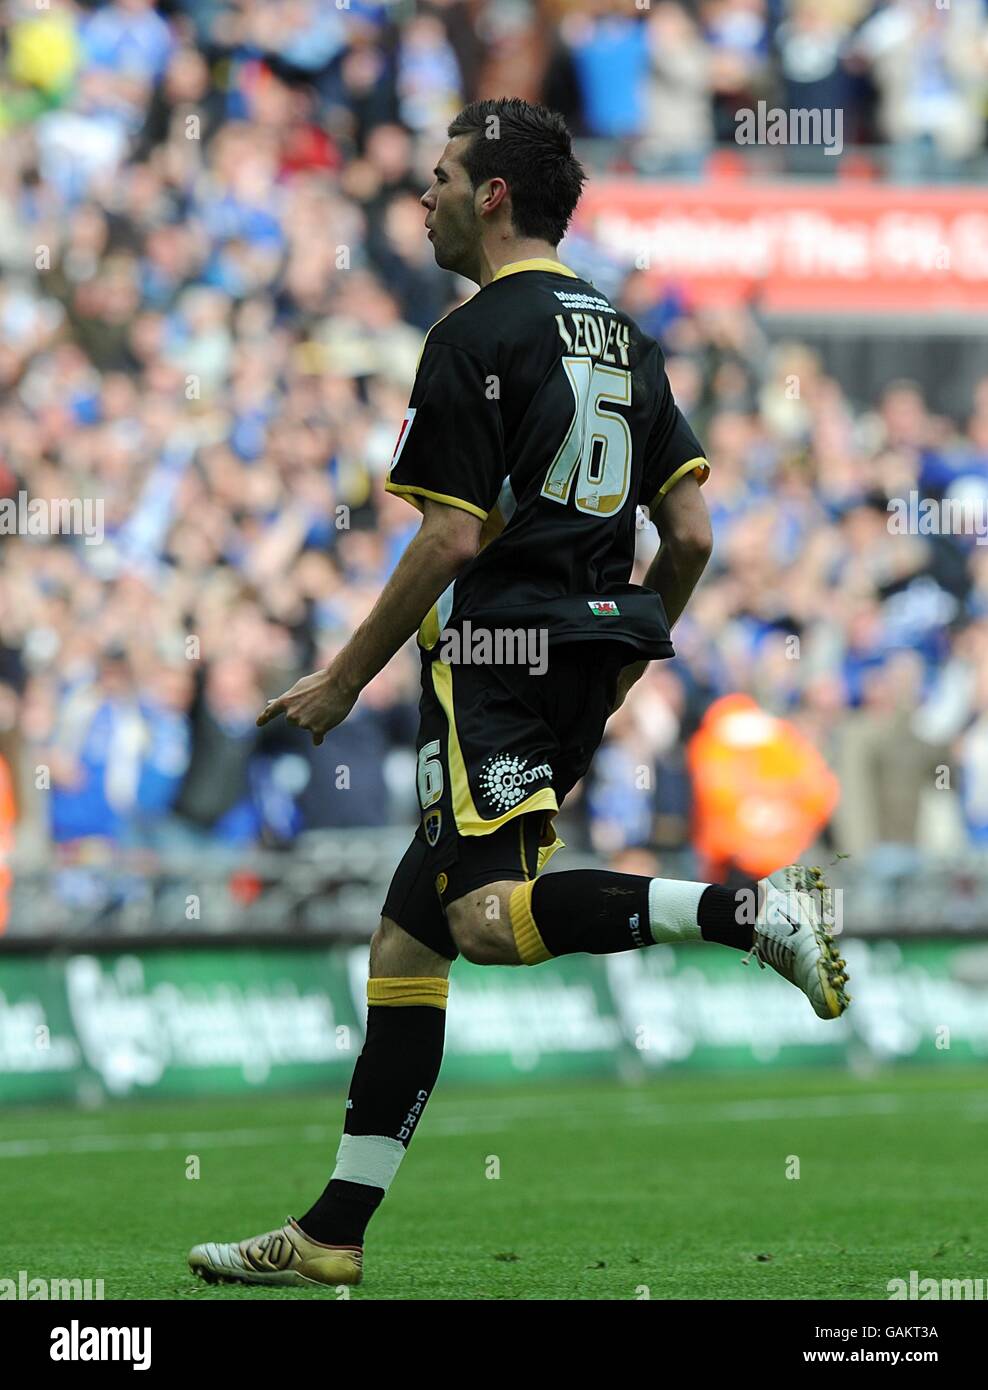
x=637 y=1111
x=810 y=1107
x=629 y=1102
x=233 y=1139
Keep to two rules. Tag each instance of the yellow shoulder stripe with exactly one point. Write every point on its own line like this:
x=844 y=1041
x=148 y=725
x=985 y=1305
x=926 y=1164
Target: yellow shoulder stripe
x=411 y=491
x=699 y=466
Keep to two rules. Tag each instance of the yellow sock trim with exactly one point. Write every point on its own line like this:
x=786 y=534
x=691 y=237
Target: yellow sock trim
x=401 y=993
x=530 y=945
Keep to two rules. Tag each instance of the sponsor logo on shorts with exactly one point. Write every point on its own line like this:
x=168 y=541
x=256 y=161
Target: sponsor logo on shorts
x=505 y=780
x=432 y=822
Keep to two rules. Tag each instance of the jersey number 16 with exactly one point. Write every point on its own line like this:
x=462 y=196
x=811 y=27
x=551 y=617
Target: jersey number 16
x=597 y=448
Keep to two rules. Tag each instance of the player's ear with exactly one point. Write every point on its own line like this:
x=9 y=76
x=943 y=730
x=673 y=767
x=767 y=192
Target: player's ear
x=491 y=194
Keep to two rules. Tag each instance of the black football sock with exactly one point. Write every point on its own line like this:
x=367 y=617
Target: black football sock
x=727 y=915
x=588 y=910
x=599 y=912
x=394 y=1077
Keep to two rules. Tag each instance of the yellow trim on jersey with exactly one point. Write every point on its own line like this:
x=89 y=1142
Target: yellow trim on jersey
x=699 y=466
x=412 y=490
x=467 y=817
x=428 y=633
x=528 y=942
x=547 y=851
x=536 y=263
x=492 y=527
x=408 y=992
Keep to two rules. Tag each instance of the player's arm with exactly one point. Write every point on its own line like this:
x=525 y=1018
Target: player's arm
x=675 y=468
x=447 y=540
x=686 y=541
x=449 y=464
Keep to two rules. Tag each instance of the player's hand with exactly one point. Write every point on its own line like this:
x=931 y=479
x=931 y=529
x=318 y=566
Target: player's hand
x=318 y=703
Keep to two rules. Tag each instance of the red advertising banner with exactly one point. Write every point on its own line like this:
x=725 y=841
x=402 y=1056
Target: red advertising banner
x=840 y=248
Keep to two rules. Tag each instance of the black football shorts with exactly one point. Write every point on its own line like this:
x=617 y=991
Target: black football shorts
x=498 y=750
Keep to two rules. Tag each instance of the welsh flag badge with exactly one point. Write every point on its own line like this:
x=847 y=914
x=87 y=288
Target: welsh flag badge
x=603 y=608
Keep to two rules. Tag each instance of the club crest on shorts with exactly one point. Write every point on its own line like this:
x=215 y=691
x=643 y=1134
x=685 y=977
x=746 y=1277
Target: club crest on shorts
x=506 y=780
x=432 y=823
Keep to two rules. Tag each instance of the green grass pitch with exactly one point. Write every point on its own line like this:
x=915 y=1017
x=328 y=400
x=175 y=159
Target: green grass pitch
x=674 y=1189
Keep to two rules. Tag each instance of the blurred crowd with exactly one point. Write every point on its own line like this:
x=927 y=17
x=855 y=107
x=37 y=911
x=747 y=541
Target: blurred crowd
x=214 y=289
x=662 y=80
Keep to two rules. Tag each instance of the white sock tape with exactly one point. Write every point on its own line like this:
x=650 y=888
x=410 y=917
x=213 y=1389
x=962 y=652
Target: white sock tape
x=370 y=1159
x=672 y=908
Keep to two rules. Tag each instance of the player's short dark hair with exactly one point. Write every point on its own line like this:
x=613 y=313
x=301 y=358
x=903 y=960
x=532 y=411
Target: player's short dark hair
x=530 y=148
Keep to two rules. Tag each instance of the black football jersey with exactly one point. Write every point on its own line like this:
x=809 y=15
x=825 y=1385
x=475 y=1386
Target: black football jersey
x=545 y=411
